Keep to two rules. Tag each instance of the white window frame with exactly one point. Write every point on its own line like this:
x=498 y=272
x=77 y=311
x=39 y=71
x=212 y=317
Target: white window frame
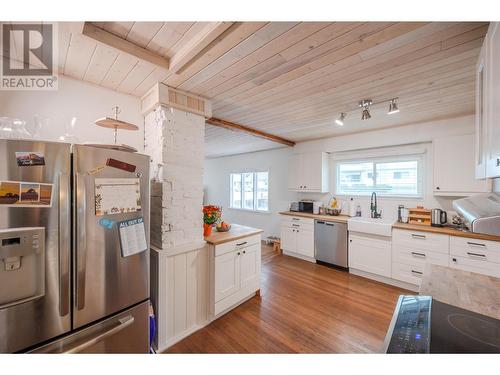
x=254 y=176
x=378 y=160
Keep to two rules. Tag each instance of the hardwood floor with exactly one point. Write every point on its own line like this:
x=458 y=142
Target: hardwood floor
x=303 y=308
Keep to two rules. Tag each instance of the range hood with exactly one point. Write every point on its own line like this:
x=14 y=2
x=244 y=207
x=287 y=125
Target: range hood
x=481 y=213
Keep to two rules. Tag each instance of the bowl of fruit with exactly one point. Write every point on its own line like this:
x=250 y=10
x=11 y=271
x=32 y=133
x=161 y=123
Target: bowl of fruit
x=223 y=227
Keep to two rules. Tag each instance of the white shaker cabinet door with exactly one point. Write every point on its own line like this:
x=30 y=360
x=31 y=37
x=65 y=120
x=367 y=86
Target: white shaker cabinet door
x=227 y=275
x=493 y=106
x=305 y=242
x=288 y=239
x=250 y=265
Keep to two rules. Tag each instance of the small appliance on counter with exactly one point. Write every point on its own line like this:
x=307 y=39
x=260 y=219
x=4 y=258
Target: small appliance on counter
x=423 y=325
x=294 y=206
x=481 y=213
x=307 y=205
x=438 y=217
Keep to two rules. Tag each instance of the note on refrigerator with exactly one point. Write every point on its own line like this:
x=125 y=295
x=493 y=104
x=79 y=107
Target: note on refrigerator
x=117 y=195
x=132 y=236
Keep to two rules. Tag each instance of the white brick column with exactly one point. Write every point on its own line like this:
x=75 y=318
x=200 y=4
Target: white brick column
x=174 y=138
x=175 y=141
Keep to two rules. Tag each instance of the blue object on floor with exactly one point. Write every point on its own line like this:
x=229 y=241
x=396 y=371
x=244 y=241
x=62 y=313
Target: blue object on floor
x=152 y=328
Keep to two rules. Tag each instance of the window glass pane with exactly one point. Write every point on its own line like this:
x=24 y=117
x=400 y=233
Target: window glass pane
x=397 y=178
x=247 y=191
x=392 y=177
x=262 y=191
x=355 y=178
x=236 y=190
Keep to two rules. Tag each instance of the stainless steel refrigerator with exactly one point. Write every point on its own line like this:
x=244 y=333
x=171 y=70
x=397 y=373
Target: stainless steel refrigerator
x=66 y=285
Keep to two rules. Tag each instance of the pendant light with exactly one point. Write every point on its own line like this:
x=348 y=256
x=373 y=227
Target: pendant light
x=393 y=107
x=340 y=120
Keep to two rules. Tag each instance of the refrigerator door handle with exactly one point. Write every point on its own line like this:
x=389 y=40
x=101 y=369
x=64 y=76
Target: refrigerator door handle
x=121 y=325
x=81 y=238
x=64 y=248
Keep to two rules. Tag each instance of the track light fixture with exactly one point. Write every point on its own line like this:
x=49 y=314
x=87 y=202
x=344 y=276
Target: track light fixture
x=340 y=120
x=393 y=107
x=365 y=104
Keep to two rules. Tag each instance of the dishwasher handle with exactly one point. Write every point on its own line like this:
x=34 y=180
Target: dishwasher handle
x=320 y=222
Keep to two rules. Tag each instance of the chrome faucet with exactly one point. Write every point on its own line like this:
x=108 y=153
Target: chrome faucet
x=375 y=214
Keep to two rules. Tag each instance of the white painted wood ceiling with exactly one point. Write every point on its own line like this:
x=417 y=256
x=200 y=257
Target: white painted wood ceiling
x=292 y=79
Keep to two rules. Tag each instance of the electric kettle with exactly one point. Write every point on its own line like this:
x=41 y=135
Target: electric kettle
x=438 y=217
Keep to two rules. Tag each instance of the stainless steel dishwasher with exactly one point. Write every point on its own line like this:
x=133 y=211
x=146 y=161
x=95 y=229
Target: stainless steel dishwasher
x=330 y=243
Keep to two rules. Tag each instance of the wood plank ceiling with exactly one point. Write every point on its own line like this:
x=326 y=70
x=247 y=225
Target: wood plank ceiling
x=292 y=79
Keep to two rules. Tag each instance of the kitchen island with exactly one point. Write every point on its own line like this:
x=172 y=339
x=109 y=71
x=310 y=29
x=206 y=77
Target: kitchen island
x=234 y=267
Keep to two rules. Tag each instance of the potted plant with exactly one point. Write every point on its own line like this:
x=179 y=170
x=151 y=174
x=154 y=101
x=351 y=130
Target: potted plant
x=211 y=214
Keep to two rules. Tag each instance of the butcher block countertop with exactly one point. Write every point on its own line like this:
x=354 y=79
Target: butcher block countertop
x=445 y=230
x=338 y=219
x=467 y=290
x=235 y=233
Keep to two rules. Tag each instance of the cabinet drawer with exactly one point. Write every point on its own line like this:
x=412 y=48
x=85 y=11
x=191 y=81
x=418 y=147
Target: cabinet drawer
x=296 y=219
x=411 y=274
x=418 y=257
x=472 y=248
x=236 y=244
x=304 y=223
x=421 y=240
x=475 y=265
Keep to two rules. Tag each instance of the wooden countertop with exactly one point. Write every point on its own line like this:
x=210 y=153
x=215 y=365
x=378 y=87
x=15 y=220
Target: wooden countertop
x=467 y=290
x=235 y=233
x=445 y=230
x=338 y=219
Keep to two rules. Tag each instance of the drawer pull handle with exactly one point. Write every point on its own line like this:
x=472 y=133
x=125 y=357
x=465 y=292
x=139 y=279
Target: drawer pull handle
x=295 y=225
x=476 y=244
x=419 y=236
x=418 y=254
x=241 y=243
x=476 y=254
x=416 y=272
x=295 y=218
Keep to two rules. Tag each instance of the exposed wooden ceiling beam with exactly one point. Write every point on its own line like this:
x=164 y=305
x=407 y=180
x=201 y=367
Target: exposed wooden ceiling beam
x=257 y=133
x=112 y=40
x=197 y=44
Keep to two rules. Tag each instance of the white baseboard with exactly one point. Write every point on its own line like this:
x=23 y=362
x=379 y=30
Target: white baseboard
x=300 y=256
x=385 y=280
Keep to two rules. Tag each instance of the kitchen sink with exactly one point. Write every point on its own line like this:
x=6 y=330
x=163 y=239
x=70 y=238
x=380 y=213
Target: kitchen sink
x=379 y=227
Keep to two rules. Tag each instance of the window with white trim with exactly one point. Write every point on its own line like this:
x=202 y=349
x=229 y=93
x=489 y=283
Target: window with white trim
x=399 y=176
x=250 y=191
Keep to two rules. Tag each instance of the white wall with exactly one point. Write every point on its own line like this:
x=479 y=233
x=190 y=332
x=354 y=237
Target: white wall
x=216 y=186
x=217 y=170
x=75 y=100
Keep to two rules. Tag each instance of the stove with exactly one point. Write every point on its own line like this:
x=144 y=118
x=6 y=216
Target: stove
x=423 y=325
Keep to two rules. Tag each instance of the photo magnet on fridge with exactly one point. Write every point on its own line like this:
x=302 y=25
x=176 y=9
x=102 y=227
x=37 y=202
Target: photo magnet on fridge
x=30 y=158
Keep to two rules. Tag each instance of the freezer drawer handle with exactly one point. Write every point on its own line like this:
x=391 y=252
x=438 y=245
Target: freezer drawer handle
x=81 y=248
x=122 y=324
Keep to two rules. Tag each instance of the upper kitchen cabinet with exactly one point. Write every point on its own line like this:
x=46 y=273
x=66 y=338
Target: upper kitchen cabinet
x=487 y=143
x=493 y=100
x=308 y=172
x=454 y=172
x=481 y=113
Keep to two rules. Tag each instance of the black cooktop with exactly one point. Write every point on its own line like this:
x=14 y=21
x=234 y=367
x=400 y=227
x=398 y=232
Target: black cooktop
x=423 y=325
